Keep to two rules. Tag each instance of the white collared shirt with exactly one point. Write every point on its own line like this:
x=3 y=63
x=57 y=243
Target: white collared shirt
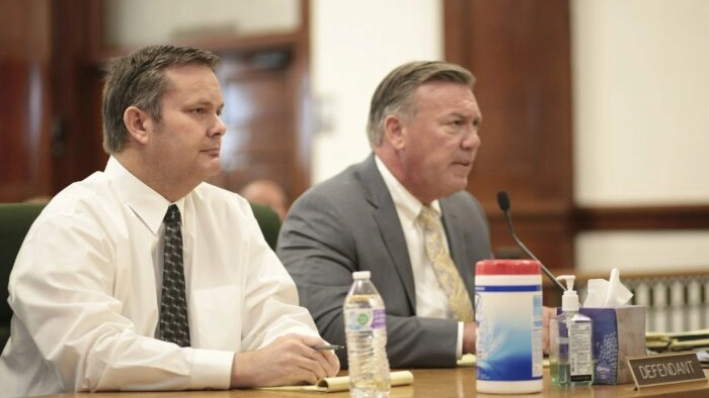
x=431 y=300
x=84 y=291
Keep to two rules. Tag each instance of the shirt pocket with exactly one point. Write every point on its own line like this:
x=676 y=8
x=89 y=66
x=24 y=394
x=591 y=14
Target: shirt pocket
x=216 y=318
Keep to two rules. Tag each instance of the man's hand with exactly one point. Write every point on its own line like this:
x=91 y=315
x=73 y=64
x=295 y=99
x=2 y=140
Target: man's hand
x=286 y=361
x=469 y=337
x=547 y=314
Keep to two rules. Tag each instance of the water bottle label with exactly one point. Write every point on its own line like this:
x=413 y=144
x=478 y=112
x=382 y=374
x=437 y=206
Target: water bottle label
x=365 y=319
x=509 y=320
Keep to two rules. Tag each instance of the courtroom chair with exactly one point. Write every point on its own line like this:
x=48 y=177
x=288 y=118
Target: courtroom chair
x=268 y=221
x=15 y=221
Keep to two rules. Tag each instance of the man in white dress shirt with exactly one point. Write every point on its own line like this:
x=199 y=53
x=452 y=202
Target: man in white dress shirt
x=86 y=286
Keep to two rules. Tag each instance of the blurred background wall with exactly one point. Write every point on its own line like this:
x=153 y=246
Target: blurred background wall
x=640 y=123
x=638 y=98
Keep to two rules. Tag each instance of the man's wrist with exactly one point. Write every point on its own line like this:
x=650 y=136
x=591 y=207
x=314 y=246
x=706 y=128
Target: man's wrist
x=469 y=338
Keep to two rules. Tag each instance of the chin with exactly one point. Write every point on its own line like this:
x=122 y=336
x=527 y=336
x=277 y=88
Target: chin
x=212 y=171
x=214 y=164
x=459 y=182
x=458 y=186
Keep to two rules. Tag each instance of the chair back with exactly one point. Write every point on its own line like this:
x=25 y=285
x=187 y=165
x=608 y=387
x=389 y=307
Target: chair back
x=15 y=221
x=268 y=221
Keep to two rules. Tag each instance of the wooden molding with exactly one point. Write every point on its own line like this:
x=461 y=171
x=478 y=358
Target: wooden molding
x=245 y=44
x=633 y=274
x=643 y=218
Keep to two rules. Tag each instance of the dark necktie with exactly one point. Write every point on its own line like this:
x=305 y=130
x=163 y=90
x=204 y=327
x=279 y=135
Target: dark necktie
x=174 y=326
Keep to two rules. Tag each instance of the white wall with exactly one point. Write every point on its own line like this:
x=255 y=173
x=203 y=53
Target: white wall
x=641 y=123
x=641 y=101
x=136 y=23
x=354 y=44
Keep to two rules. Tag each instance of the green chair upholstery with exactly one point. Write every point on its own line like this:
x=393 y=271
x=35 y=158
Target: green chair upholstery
x=269 y=222
x=15 y=221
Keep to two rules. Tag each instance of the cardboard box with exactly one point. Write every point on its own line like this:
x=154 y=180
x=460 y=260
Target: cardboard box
x=617 y=334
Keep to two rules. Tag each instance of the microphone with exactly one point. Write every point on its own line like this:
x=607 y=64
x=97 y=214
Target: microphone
x=504 y=202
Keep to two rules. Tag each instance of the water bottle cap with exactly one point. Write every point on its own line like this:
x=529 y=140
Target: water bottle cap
x=361 y=274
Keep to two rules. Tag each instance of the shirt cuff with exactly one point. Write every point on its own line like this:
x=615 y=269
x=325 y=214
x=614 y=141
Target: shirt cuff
x=211 y=369
x=459 y=346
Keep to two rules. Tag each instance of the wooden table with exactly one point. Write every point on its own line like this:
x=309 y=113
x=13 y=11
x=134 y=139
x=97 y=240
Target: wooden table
x=435 y=383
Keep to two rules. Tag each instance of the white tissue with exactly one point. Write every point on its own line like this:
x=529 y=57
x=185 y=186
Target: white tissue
x=607 y=293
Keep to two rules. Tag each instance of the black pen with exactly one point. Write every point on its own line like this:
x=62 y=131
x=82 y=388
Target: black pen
x=324 y=347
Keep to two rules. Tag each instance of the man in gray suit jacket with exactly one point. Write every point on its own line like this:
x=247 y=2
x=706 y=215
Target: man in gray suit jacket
x=423 y=130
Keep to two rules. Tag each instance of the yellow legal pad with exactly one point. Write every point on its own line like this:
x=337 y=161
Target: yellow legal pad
x=470 y=360
x=677 y=341
x=342 y=383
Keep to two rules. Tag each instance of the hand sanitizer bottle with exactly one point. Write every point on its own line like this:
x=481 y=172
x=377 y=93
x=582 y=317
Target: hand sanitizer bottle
x=571 y=344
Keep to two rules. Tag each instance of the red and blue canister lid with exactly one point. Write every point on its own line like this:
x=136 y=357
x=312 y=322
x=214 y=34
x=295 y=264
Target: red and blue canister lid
x=507 y=267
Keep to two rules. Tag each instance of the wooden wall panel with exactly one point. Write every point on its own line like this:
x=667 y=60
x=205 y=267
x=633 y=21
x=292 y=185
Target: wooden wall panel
x=519 y=51
x=259 y=114
x=76 y=102
x=25 y=62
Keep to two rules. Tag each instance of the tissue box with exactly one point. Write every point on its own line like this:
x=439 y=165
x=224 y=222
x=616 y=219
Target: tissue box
x=618 y=333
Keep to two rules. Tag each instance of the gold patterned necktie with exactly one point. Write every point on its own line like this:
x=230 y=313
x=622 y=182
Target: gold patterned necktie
x=446 y=272
x=174 y=325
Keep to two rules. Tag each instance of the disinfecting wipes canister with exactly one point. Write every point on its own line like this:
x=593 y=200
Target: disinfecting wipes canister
x=508 y=314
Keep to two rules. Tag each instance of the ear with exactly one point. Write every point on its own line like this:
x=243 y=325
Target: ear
x=395 y=131
x=138 y=124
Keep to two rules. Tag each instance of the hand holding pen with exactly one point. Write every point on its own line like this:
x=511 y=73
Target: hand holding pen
x=291 y=359
x=324 y=347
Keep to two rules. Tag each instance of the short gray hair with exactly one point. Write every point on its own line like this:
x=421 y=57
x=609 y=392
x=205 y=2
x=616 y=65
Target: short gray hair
x=395 y=94
x=138 y=79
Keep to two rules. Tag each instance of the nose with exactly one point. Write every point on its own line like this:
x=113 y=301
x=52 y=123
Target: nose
x=471 y=139
x=219 y=127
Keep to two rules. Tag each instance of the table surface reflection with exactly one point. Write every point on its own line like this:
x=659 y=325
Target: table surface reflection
x=438 y=383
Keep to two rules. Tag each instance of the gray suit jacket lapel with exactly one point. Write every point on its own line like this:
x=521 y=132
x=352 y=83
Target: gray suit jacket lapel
x=387 y=219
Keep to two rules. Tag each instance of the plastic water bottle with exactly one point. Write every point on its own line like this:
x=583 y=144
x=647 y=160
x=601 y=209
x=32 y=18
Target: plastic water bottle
x=365 y=330
x=508 y=313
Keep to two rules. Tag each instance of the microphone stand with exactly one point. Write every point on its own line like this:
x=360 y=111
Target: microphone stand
x=504 y=202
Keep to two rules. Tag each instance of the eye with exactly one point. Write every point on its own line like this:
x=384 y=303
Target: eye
x=199 y=111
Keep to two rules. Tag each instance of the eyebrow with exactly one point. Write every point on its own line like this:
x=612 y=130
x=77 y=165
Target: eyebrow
x=474 y=117
x=457 y=114
x=206 y=102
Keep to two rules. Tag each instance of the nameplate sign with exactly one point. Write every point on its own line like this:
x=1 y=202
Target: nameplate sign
x=656 y=370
